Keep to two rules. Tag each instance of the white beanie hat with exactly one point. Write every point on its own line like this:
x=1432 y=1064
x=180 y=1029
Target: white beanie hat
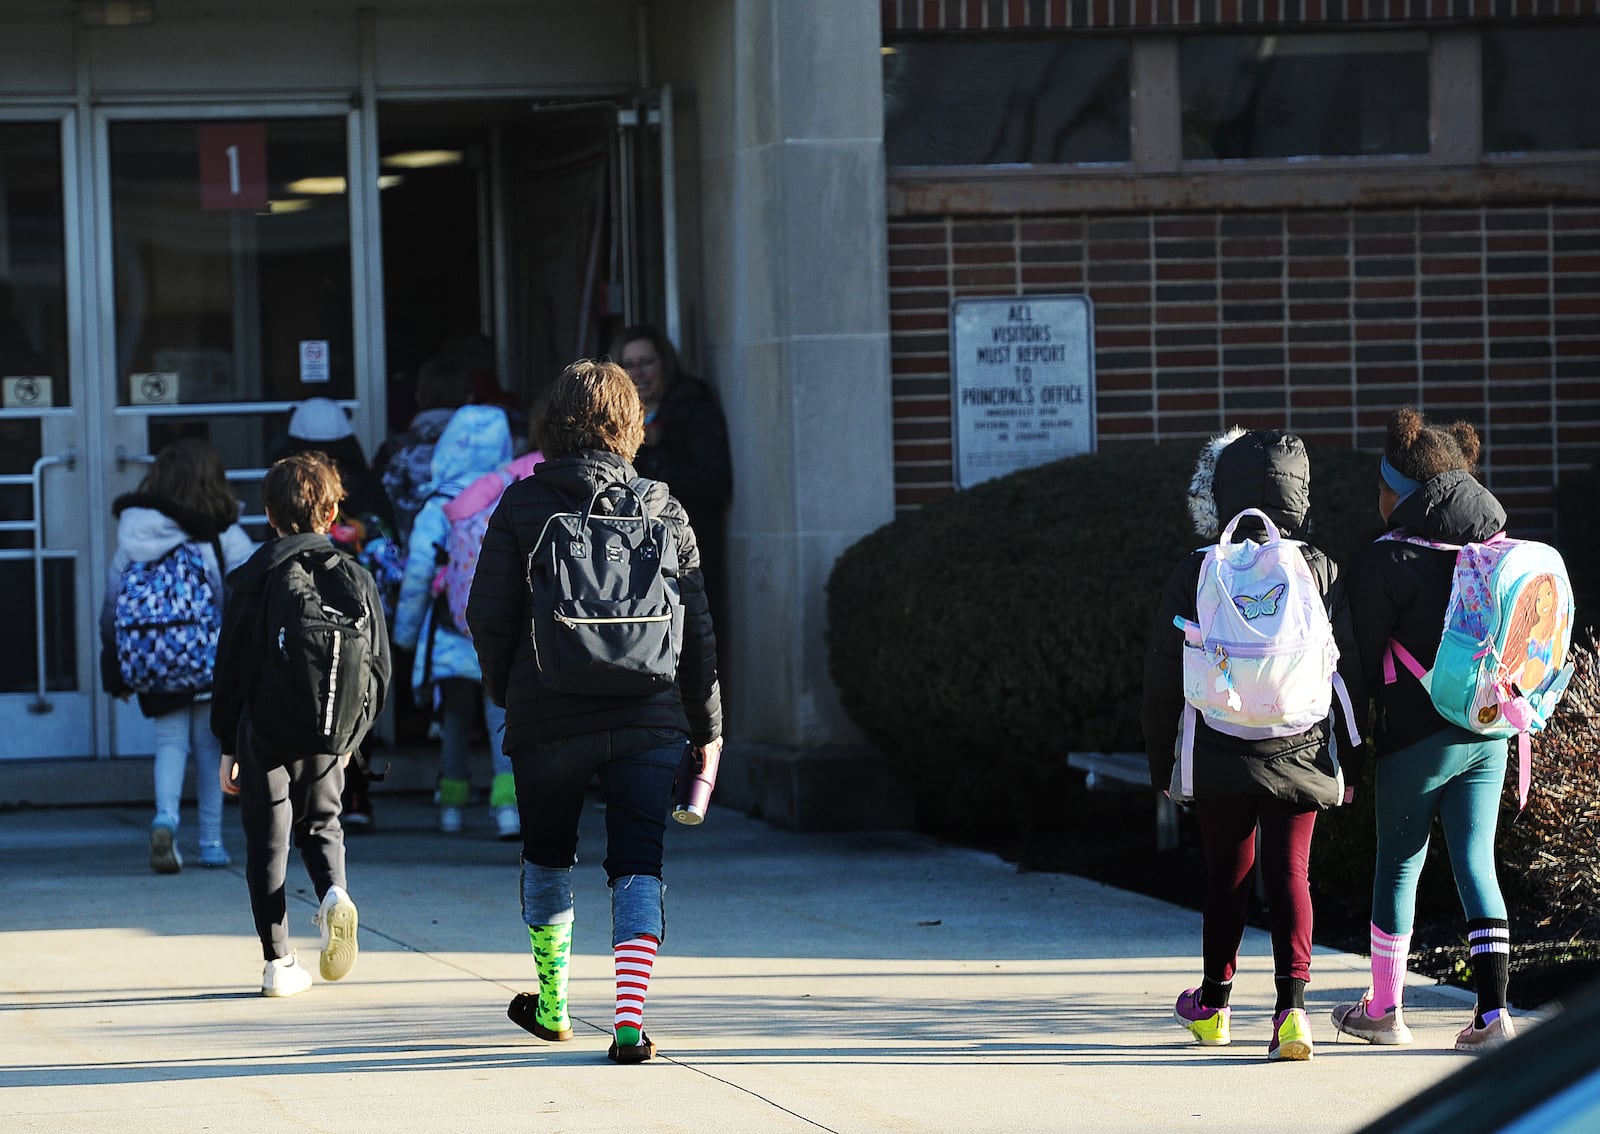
x=319 y=419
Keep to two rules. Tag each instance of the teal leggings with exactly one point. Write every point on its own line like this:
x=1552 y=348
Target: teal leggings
x=1458 y=776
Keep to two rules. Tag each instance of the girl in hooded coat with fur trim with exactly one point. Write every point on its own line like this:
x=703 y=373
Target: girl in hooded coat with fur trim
x=1278 y=785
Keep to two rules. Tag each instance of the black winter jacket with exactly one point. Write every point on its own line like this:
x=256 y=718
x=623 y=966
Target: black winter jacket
x=243 y=643
x=500 y=617
x=1400 y=591
x=1297 y=769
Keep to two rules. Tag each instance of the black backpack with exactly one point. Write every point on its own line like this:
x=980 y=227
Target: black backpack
x=317 y=691
x=607 y=620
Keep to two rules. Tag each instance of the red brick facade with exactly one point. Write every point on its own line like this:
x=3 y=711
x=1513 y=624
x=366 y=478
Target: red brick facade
x=1316 y=318
x=1322 y=322
x=968 y=15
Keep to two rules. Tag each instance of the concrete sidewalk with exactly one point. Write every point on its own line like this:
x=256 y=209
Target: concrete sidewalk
x=846 y=982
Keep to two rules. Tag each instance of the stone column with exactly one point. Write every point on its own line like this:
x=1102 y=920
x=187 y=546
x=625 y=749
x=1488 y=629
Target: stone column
x=787 y=109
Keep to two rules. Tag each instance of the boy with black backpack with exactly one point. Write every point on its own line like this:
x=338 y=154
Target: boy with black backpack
x=302 y=672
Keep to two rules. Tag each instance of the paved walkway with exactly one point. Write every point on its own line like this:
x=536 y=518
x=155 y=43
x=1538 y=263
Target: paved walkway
x=858 y=982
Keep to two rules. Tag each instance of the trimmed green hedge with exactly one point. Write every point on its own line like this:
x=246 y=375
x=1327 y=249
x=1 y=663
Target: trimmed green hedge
x=978 y=640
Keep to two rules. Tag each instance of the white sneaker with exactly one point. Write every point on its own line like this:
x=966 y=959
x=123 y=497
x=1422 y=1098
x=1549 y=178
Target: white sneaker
x=285 y=976
x=338 y=919
x=450 y=820
x=507 y=825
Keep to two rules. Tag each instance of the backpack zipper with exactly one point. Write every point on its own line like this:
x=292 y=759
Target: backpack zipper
x=574 y=623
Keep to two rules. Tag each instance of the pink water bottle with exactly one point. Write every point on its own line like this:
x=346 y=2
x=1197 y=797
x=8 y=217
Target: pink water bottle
x=697 y=775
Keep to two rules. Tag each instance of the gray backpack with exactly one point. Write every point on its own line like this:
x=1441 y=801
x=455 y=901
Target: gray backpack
x=607 y=620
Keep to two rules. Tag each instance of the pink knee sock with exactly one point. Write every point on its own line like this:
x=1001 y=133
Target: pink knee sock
x=1389 y=952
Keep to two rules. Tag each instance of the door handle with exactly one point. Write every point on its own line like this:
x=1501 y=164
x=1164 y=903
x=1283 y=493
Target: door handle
x=68 y=457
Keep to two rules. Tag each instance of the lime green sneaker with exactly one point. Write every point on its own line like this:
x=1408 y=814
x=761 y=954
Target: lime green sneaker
x=1291 y=1036
x=1209 y=1026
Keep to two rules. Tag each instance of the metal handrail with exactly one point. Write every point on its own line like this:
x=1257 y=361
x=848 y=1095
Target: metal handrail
x=68 y=457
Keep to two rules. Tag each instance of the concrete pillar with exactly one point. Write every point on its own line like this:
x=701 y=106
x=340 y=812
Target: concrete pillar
x=787 y=112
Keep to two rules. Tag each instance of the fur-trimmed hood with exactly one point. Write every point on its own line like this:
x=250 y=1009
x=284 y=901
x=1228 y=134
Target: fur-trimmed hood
x=1266 y=469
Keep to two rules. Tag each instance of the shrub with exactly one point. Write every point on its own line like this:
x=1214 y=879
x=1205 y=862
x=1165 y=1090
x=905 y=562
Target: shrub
x=1552 y=849
x=978 y=640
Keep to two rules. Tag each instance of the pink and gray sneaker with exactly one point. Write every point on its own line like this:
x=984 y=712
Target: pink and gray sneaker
x=1494 y=1033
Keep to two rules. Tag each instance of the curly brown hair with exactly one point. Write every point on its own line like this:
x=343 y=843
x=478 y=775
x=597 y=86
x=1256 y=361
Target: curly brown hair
x=300 y=493
x=189 y=473
x=593 y=405
x=1422 y=451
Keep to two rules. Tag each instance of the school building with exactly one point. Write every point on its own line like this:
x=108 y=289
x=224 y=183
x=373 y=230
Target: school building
x=1286 y=212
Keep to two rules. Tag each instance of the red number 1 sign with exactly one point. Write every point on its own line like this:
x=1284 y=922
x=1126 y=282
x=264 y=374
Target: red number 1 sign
x=233 y=165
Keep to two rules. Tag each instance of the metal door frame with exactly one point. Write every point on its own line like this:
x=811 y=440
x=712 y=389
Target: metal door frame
x=108 y=418
x=81 y=708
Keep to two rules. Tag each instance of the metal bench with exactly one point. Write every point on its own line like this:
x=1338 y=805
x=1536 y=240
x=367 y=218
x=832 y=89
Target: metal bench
x=1128 y=771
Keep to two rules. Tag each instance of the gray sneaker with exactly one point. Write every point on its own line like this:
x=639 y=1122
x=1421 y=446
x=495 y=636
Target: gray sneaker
x=1491 y=1035
x=1389 y=1028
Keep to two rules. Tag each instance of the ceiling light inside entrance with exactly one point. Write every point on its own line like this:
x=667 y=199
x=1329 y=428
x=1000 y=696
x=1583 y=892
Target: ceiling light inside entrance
x=332 y=186
x=423 y=159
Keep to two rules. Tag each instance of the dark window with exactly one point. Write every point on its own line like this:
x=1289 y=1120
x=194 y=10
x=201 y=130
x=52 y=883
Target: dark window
x=1284 y=96
x=980 y=101
x=1540 y=89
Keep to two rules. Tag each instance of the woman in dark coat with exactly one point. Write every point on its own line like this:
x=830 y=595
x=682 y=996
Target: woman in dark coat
x=685 y=444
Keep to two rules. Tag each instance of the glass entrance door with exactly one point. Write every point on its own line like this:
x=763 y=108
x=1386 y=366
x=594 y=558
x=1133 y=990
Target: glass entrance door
x=226 y=293
x=47 y=681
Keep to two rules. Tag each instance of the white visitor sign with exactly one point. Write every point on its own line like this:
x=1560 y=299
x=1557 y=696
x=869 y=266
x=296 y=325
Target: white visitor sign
x=1021 y=383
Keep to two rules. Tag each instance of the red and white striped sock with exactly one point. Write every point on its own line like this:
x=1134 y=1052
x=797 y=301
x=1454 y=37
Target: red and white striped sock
x=633 y=960
x=1390 y=952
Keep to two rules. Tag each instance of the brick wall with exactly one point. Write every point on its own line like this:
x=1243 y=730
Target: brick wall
x=1318 y=321
x=952 y=15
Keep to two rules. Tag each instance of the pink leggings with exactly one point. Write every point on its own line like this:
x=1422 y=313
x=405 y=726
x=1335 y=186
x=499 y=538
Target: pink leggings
x=1228 y=833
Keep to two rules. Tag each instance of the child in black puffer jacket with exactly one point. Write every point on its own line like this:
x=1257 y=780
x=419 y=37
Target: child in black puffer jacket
x=1278 y=784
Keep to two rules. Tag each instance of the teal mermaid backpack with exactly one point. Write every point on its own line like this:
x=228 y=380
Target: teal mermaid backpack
x=1502 y=663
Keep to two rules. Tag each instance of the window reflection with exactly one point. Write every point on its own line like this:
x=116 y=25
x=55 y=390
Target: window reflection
x=33 y=308
x=1540 y=87
x=977 y=101
x=1324 y=95
x=223 y=272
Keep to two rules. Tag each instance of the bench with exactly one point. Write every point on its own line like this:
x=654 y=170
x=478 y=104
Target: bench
x=1128 y=771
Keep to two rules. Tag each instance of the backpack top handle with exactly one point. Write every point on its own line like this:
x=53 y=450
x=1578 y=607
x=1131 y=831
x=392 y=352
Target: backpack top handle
x=1273 y=535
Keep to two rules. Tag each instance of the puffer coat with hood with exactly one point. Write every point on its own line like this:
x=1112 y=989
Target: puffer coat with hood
x=476 y=441
x=500 y=613
x=1400 y=591
x=148 y=527
x=1268 y=470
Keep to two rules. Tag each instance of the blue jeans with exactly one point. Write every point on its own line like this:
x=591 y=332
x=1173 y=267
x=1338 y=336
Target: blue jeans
x=1458 y=776
x=182 y=735
x=636 y=767
x=458 y=703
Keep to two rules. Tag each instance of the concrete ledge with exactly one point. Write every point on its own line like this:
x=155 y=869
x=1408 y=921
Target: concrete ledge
x=834 y=788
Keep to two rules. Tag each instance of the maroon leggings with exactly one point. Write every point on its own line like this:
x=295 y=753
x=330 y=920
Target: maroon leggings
x=1228 y=832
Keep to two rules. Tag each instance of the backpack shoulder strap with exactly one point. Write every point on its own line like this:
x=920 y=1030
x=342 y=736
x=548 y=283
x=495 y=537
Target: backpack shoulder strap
x=1400 y=535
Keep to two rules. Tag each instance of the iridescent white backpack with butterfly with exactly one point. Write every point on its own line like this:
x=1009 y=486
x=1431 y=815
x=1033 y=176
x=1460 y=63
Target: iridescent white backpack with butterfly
x=1259 y=659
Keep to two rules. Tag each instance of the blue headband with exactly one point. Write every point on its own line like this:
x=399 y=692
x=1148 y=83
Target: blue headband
x=1402 y=484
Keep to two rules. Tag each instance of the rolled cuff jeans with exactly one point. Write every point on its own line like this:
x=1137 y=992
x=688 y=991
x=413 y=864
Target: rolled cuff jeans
x=636 y=767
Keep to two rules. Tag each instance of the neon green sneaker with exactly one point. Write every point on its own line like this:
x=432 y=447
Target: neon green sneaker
x=1209 y=1026
x=1291 y=1036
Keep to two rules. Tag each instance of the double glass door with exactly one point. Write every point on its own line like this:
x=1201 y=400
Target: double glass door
x=166 y=275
